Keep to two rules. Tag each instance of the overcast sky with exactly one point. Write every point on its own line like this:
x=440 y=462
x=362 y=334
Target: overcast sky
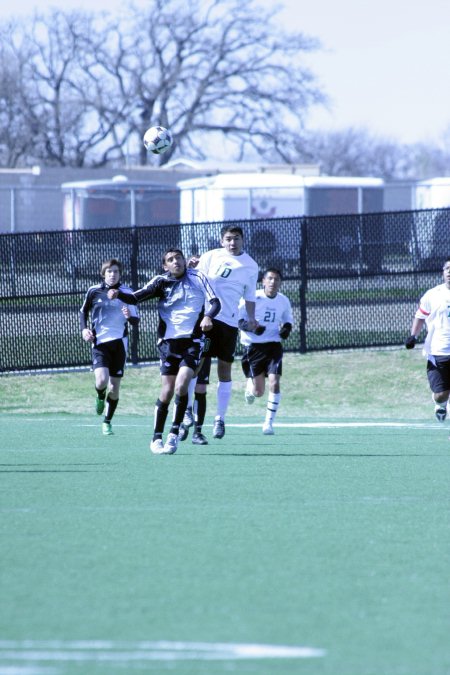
x=384 y=63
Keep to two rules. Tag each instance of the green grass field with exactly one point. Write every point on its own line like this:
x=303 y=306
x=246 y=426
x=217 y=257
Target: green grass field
x=323 y=550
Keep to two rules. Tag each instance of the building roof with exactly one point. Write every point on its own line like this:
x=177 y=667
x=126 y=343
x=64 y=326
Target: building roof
x=275 y=180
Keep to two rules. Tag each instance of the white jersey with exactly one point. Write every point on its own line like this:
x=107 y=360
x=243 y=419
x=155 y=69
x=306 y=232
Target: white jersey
x=434 y=307
x=233 y=277
x=271 y=313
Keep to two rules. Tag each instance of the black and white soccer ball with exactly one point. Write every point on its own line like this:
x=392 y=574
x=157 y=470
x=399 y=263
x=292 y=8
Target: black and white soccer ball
x=157 y=140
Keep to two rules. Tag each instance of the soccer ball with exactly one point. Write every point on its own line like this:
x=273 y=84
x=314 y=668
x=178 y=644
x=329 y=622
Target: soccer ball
x=157 y=140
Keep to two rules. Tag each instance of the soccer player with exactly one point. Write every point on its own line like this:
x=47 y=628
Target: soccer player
x=434 y=311
x=108 y=335
x=233 y=275
x=263 y=353
x=183 y=295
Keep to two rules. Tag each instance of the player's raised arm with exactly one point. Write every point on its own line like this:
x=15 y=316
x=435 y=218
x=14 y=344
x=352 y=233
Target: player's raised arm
x=154 y=289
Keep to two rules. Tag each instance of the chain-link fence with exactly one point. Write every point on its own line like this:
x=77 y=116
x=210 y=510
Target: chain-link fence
x=354 y=281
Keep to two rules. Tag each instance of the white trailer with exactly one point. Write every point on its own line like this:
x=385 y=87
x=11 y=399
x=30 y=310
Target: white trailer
x=430 y=242
x=245 y=196
x=432 y=194
x=264 y=197
x=118 y=202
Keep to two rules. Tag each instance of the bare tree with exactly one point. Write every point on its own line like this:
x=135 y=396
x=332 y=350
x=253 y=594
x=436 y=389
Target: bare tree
x=80 y=89
x=217 y=69
x=357 y=152
x=352 y=152
x=14 y=134
x=55 y=94
x=68 y=93
x=210 y=70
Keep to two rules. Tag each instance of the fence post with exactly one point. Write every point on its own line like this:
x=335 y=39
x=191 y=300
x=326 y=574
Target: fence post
x=13 y=210
x=134 y=342
x=303 y=283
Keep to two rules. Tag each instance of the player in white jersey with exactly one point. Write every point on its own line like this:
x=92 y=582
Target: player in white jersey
x=233 y=275
x=108 y=334
x=186 y=307
x=434 y=311
x=263 y=353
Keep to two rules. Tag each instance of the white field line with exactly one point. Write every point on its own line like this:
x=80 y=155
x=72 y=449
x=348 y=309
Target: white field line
x=306 y=425
x=282 y=425
x=345 y=425
x=125 y=652
x=27 y=670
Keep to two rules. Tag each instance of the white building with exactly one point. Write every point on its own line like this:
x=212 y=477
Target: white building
x=432 y=194
x=252 y=196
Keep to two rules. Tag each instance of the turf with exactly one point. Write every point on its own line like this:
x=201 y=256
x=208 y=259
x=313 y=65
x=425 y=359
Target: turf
x=327 y=536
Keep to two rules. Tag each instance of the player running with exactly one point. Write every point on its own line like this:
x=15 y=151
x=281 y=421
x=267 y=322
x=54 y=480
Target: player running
x=434 y=311
x=108 y=335
x=263 y=353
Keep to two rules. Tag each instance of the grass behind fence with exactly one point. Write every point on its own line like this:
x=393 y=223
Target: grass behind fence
x=372 y=384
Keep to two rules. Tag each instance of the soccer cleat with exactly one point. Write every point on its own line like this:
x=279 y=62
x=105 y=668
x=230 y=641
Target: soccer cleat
x=99 y=405
x=219 y=429
x=441 y=413
x=188 y=419
x=107 y=429
x=199 y=439
x=268 y=429
x=171 y=444
x=157 y=446
x=249 y=396
x=183 y=433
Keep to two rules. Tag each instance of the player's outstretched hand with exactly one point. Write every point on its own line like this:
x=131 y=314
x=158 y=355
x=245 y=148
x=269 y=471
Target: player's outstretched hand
x=410 y=342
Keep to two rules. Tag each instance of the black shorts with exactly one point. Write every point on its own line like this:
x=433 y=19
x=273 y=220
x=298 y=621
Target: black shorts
x=222 y=341
x=439 y=374
x=173 y=354
x=111 y=355
x=204 y=372
x=263 y=357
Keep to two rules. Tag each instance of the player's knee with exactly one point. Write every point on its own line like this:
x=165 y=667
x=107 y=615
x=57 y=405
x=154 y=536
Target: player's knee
x=101 y=382
x=441 y=397
x=181 y=389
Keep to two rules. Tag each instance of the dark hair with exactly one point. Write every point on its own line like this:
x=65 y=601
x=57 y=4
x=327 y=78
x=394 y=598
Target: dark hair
x=231 y=228
x=274 y=270
x=110 y=263
x=171 y=250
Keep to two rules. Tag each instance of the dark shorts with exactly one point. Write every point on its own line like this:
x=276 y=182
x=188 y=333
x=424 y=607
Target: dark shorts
x=264 y=357
x=111 y=355
x=204 y=372
x=173 y=354
x=439 y=374
x=222 y=341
